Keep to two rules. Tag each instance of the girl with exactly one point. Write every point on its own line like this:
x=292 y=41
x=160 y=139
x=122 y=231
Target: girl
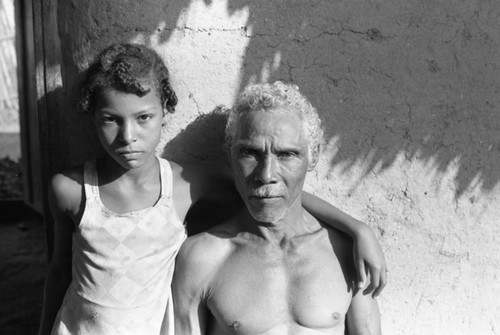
x=119 y=219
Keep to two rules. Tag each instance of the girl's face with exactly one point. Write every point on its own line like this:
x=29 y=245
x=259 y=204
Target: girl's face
x=129 y=127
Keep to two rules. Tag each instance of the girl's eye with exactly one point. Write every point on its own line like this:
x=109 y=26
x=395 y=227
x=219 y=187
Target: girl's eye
x=246 y=152
x=144 y=117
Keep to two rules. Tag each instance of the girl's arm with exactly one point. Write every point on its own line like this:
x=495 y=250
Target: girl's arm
x=368 y=255
x=64 y=195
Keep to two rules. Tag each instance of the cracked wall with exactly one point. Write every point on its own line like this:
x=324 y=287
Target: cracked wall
x=408 y=94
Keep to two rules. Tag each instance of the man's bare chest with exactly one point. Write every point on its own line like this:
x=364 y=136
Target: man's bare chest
x=259 y=289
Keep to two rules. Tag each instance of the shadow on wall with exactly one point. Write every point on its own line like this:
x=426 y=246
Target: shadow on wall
x=202 y=141
x=417 y=81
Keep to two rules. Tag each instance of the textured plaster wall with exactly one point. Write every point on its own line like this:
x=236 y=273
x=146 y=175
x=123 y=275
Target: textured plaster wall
x=408 y=93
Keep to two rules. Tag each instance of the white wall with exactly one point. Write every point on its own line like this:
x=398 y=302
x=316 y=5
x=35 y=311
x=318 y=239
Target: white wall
x=409 y=98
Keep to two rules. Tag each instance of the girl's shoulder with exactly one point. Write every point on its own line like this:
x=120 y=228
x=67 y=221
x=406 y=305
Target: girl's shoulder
x=66 y=190
x=178 y=176
x=184 y=174
x=181 y=190
x=174 y=167
x=200 y=174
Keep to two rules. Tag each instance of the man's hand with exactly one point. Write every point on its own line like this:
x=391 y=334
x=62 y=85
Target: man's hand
x=369 y=260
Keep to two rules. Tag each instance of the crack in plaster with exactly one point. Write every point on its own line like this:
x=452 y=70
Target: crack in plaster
x=373 y=34
x=407 y=136
x=244 y=30
x=198 y=109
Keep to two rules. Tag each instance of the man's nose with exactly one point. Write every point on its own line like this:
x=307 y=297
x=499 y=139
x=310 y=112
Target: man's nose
x=267 y=173
x=127 y=133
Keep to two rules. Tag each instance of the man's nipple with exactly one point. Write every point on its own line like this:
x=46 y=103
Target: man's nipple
x=235 y=325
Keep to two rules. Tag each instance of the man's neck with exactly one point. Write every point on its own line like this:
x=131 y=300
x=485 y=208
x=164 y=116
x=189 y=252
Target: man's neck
x=295 y=222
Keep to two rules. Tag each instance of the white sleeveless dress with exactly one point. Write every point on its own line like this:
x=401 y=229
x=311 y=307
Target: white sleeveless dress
x=122 y=266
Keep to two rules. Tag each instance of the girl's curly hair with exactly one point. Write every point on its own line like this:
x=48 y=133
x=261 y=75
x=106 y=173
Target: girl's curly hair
x=271 y=96
x=127 y=68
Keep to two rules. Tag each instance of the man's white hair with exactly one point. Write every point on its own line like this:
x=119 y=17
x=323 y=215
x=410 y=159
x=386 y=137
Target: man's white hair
x=269 y=97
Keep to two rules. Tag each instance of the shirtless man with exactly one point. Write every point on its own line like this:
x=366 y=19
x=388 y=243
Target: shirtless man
x=272 y=268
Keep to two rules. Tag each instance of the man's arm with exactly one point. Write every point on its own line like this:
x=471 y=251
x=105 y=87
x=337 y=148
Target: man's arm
x=195 y=269
x=367 y=250
x=363 y=316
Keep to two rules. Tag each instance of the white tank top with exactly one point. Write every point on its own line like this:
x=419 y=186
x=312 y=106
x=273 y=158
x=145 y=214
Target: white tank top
x=122 y=265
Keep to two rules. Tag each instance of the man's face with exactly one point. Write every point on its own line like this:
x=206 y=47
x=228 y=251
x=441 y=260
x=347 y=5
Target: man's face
x=270 y=159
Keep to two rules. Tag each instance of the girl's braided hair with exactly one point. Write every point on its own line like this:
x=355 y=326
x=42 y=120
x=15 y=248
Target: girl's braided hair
x=127 y=68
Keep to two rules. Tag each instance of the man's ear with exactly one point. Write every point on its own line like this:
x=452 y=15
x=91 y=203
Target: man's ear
x=229 y=152
x=314 y=157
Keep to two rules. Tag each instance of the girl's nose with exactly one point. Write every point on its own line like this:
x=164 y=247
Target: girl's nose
x=127 y=133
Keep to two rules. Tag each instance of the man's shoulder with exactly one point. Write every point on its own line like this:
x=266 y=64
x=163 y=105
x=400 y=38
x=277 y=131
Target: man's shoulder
x=339 y=240
x=200 y=258
x=211 y=246
x=342 y=246
x=337 y=236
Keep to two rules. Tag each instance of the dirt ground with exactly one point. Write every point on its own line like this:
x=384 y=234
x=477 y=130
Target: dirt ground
x=10 y=145
x=22 y=272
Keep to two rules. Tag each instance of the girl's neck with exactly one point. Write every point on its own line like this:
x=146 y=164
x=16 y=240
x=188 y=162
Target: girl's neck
x=124 y=191
x=109 y=170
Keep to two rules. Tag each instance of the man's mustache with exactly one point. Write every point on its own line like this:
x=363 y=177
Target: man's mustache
x=267 y=191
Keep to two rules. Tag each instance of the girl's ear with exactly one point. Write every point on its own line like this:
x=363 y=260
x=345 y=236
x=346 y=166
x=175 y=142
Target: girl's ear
x=314 y=157
x=164 y=118
x=165 y=112
x=90 y=117
x=165 y=109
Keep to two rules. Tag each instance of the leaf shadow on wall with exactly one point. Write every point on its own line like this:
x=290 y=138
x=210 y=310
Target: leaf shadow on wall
x=388 y=83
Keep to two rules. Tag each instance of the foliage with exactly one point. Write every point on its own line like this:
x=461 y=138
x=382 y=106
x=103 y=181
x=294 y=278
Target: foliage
x=11 y=181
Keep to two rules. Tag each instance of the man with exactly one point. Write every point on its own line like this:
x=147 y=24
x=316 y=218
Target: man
x=272 y=268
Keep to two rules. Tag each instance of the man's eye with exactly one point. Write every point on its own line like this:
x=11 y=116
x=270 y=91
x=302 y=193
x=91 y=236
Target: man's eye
x=287 y=154
x=109 y=119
